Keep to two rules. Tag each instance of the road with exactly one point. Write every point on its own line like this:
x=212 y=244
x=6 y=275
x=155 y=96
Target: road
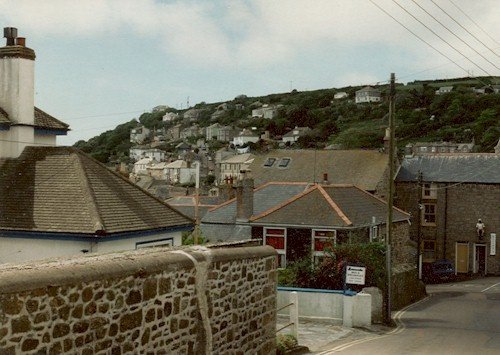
x=456 y=318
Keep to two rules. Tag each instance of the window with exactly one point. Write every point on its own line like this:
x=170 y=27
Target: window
x=284 y=162
x=269 y=162
x=374 y=234
x=322 y=242
x=155 y=243
x=429 y=191
x=276 y=237
x=428 y=251
x=429 y=214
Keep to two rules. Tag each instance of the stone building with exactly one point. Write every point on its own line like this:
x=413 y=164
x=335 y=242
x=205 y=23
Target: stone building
x=302 y=219
x=446 y=195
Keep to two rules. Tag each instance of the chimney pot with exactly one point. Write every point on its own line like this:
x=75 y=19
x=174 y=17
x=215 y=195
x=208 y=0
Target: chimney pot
x=10 y=33
x=21 y=41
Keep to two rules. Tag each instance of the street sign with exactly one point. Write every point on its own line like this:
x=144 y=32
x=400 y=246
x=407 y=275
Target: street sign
x=355 y=275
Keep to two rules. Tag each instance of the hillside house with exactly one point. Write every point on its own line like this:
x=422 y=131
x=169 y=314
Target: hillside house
x=294 y=135
x=340 y=95
x=138 y=152
x=444 y=90
x=421 y=148
x=446 y=195
x=304 y=220
x=141 y=166
x=180 y=172
x=368 y=94
x=231 y=167
x=226 y=133
x=170 y=116
x=140 y=134
x=192 y=115
x=244 y=137
x=212 y=131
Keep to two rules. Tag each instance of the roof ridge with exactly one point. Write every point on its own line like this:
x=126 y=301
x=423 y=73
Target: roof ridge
x=98 y=223
x=335 y=207
x=283 y=204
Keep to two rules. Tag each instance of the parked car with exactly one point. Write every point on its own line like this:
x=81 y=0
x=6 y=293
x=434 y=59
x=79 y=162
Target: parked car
x=440 y=270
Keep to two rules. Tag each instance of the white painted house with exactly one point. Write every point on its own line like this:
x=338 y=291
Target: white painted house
x=245 y=136
x=57 y=201
x=294 y=135
x=139 y=134
x=170 y=116
x=368 y=94
x=180 y=172
x=141 y=166
x=231 y=167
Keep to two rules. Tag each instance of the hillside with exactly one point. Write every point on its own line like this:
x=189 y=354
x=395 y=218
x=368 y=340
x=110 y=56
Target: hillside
x=421 y=115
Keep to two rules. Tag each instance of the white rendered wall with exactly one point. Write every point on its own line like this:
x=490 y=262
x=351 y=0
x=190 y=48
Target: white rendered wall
x=45 y=140
x=15 y=250
x=17 y=94
x=14 y=140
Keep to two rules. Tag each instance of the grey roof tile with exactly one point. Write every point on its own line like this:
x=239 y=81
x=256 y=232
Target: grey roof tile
x=453 y=167
x=60 y=189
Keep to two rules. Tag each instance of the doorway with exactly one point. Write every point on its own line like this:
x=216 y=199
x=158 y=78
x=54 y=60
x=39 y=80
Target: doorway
x=480 y=259
x=462 y=257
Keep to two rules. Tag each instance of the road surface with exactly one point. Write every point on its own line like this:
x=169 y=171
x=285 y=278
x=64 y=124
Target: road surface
x=456 y=318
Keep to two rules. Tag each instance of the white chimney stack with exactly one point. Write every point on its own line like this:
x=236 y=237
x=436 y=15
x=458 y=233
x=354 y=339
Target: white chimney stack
x=17 y=94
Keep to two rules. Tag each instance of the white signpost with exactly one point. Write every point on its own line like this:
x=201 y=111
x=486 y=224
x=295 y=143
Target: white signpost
x=355 y=275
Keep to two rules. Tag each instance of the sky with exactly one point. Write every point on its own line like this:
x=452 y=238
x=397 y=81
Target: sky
x=101 y=63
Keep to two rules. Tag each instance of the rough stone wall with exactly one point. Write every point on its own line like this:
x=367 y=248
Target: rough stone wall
x=188 y=301
x=403 y=250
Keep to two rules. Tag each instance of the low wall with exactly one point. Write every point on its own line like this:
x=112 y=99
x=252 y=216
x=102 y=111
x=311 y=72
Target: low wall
x=188 y=301
x=406 y=287
x=331 y=306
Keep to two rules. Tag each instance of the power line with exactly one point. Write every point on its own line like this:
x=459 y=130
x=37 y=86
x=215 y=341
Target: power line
x=437 y=35
x=474 y=22
x=420 y=38
x=477 y=39
x=105 y=115
x=453 y=33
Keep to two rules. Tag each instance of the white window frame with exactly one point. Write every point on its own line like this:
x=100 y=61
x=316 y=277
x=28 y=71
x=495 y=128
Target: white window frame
x=429 y=190
x=281 y=252
x=424 y=222
x=423 y=251
x=374 y=233
x=316 y=254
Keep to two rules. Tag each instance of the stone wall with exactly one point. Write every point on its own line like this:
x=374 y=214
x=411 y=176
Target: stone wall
x=458 y=208
x=186 y=301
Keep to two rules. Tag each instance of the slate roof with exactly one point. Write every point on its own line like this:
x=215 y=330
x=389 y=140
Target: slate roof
x=453 y=168
x=300 y=204
x=265 y=197
x=363 y=168
x=42 y=120
x=330 y=206
x=45 y=121
x=62 y=190
x=238 y=158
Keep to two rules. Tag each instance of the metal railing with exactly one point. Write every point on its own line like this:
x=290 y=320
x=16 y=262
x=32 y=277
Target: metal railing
x=294 y=315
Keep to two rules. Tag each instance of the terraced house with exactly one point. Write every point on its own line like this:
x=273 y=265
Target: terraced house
x=447 y=194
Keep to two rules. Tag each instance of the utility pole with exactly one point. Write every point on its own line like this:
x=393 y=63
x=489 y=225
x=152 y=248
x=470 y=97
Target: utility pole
x=388 y=240
x=196 y=205
x=419 y=221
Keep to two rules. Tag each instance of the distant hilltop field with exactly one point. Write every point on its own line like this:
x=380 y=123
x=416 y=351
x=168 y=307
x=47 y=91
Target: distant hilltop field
x=459 y=110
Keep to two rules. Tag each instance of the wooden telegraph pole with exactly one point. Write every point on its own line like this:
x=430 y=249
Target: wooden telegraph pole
x=392 y=97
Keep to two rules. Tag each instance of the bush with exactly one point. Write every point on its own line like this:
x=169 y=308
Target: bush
x=329 y=274
x=285 y=342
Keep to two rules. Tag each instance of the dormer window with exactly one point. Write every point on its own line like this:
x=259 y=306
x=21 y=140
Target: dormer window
x=284 y=162
x=269 y=162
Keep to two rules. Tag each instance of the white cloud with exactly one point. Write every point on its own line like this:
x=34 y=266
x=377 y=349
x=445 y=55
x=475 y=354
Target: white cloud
x=248 y=33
